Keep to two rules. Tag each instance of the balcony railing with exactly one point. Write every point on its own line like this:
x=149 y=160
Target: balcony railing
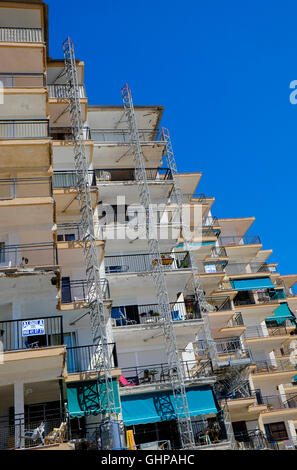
x=146 y=263
x=234 y=240
x=266 y=331
x=149 y=313
x=218 y=252
x=236 y=320
x=262 y=296
x=283 y=365
x=275 y=403
x=211 y=221
x=25 y=188
x=24 y=129
x=198 y=198
x=31 y=333
x=242 y=268
x=85 y=358
x=77 y=291
x=69 y=179
x=22 y=80
x=254 y=439
x=28 y=256
x=13 y=34
x=214 y=266
x=129 y=174
x=224 y=346
x=61 y=91
x=219 y=303
x=16 y=431
x=160 y=373
x=65 y=133
x=123 y=136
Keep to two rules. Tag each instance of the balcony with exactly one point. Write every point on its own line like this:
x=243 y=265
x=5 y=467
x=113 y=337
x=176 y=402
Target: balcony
x=275 y=403
x=267 y=367
x=22 y=80
x=16 y=430
x=256 y=297
x=254 y=439
x=129 y=174
x=65 y=133
x=29 y=256
x=249 y=268
x=77 y=291
x=24 y=129
x=61 y=91
x=225 y=346
x=31 y=333
x=160 y=373
x=30 y=35
x=145 y=263
x=123 y=136
x=266 y=331
x=70 y=179
x=85 y=358
x=13 y=188
x=148 y=314
x=234 y=241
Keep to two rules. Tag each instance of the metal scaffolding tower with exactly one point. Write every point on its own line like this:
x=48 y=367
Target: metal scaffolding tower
x=196 y=279
x=174 y=365
x=98 y=312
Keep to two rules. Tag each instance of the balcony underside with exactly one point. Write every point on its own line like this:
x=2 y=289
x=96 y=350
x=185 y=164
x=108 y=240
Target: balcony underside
x=34 y=365
x=211 y=282
x=63 y=154
x=118 y=155
x=25 y=155
x=108 y=192
x=266 y=343
x=242 y=253
x=59 y=112
x=125 y=285
x=257 y=311
x=126 y=240
x=67 y=203
x=71 y=253
x=151 y=335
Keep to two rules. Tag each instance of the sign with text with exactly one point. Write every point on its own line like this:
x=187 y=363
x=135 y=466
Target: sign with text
x=33 y=328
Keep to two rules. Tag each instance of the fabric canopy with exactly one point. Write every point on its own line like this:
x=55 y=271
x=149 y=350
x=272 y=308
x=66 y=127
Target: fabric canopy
x=89 y=398
x=281 y=314
x=159 y=406
x=250 y=284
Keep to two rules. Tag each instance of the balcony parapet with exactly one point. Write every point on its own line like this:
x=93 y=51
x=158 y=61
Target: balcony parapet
x=22 y=35
x=24 y=129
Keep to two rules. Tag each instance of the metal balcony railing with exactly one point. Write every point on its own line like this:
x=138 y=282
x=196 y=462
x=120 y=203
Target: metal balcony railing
x=76 y=291
x=25 y=188
x=122 y=136
x=85 y=358
x=69 y=179
x=266 y=331
x=31 y=333
x=224 y=346
x=262 y=296
x=16 y=431
x=254 y=439
x=65 y=133
x=145 y=263
x=198 y=198
x=129 y=174
x=160 y=373
x=148 y=314
x=212 y=267
x=282 y=365
x=22 y=80
x=28 y=256
x=275 y=402
x=15 y=34
x=236 y=320
x=24 y=129
x=61 y=91
x=244 y=268
x=219 y=303
x=218 y=252
x=234 y=240
x=211 y=221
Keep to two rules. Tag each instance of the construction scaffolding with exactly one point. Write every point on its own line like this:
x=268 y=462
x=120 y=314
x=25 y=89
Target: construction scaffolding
x=98 y=312
x=174 y=365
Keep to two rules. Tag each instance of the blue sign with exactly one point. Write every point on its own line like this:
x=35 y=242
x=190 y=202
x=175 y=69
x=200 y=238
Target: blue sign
x=33 y=328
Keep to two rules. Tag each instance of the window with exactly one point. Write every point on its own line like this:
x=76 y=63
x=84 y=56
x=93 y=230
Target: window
x=277 y=431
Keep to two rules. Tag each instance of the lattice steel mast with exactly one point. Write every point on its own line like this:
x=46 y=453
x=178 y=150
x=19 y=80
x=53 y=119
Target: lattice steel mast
x=196 y=279
x=98 y=312
x=174 y=365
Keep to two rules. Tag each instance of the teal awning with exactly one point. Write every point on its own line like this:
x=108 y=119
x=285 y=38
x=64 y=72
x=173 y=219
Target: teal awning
x=89 y=398
x=281 y=314
x=251 y=284
x=159 y=406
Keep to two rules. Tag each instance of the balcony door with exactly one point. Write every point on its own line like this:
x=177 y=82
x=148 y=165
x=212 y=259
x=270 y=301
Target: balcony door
x=66 y=290
x=72 y=359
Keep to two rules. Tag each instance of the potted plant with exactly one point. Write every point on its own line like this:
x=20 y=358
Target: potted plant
x=166 y=260
x=184 y=264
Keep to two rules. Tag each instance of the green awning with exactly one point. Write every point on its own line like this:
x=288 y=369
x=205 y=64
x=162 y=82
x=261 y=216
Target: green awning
x=89 y=398
x=281 y=314
x=252 y=284
x=160 y=406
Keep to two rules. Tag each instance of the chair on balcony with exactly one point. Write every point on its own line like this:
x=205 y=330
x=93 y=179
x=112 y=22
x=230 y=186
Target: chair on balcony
x=176 y=316
x=36 y=434
x=57 y=435
x=124 y=382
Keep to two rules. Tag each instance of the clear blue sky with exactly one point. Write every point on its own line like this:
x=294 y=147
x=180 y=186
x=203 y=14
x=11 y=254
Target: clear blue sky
x=222 y=71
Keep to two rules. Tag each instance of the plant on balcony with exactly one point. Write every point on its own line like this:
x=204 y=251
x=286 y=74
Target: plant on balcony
x=184 y=264
x=165 y=260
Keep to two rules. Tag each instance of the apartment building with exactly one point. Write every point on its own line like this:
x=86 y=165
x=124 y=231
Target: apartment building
x=49 y=392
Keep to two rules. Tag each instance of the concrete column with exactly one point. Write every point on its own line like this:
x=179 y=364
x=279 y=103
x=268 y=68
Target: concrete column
x=17 y=326
x=19 y=414
x=291 y=432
